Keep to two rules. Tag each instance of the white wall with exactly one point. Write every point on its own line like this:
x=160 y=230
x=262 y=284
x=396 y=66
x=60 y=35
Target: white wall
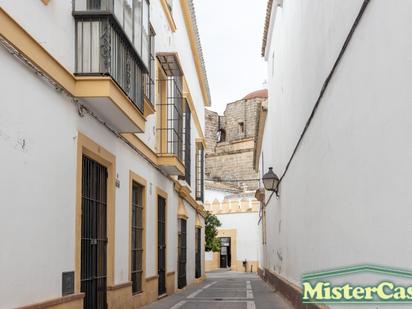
x=38 y=131
x=56 y=21
x=47 y=25
x=346 y=197
x=246 y=233
x=209 y=255
x=211 y=195
x=38 y=211
x=38 y=185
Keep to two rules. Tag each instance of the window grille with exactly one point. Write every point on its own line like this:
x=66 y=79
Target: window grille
x=93 y=273
x=182 y=252
x=161 y=244
x=170 y=109
x=198 y=252
x=137 y=237
x=200 y=180
x=187 y=144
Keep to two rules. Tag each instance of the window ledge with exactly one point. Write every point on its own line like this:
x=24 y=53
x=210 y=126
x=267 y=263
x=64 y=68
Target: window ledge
x=171 y=165
x=148 y=107
x=169 y=16
x=103 y=96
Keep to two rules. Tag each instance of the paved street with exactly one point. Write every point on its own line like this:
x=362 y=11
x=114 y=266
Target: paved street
x=226 y=290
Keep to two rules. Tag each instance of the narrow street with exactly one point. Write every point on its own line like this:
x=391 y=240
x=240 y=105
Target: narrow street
x=225 y=289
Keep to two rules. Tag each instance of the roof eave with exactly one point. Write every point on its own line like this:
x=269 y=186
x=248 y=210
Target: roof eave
x=269 y=22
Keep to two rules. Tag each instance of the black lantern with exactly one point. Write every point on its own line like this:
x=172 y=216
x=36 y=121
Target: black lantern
x=270 y=180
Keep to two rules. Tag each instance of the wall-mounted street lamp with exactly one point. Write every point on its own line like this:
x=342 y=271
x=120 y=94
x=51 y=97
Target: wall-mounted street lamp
x=271 y=182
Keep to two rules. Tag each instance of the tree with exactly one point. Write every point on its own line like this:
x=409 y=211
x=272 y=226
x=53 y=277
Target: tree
x=212 y=223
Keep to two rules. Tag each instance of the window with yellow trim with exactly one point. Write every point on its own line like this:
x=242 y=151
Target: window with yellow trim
x=137 y=238
x=200 y=167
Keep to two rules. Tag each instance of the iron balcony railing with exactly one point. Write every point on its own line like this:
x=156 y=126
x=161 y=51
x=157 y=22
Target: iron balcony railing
x=131 y=16
x=149 y=87
x=112 y=39
x=101 y=49
x=170 y=113
x=149 y=84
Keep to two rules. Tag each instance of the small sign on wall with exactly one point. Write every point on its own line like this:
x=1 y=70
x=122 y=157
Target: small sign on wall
x=67 y=283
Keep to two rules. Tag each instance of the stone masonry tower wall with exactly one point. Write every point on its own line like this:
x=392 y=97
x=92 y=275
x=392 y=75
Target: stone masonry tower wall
x=229 y=161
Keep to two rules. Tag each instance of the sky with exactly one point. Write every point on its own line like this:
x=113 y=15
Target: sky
x=231 y=34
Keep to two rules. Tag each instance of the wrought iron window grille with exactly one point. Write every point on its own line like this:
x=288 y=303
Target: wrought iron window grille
x=137 y=238
x=161 y=245
x=187 y=115
x=182 y=253
x=93 y=271
x=198 y=252
x=170 y=109
x=200 y=175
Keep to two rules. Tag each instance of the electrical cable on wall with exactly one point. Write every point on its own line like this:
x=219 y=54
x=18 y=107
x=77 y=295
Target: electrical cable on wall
x=324 y=87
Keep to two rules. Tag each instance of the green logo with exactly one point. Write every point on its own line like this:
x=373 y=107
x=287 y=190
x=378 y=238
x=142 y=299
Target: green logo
x=358 y=285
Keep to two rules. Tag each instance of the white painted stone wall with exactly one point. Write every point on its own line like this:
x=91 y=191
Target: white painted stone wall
x=38 y=131
x=49 y=23
x=346 y=197
x=211 y=195
x=246 y=225
x=209 y=255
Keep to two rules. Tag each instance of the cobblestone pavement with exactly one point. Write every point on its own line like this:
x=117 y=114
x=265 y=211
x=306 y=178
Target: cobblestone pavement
x=225 y=290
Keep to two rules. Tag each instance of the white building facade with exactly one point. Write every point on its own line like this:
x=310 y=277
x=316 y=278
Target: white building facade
x=344 y=196
x=101 y=146
x=238 y=233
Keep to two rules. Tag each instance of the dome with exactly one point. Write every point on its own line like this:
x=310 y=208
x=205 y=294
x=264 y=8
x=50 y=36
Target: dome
x=262 y=93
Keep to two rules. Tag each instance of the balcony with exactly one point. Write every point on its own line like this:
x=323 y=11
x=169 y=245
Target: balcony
x=149 y=88
x=131 y=16
x=113 y=41
x=170 y=126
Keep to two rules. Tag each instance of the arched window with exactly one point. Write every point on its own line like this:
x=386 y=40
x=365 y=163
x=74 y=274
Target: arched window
x=221 y=135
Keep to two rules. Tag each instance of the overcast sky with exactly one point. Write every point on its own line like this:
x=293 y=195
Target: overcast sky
x=231 y=34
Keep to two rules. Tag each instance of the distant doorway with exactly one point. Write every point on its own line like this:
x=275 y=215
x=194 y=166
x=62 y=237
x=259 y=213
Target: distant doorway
x=225 y=250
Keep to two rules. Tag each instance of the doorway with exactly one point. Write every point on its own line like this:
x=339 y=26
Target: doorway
x=161 y=244
x=225 y=252
x=93 y=273
x=198 y=254
x=181 y=253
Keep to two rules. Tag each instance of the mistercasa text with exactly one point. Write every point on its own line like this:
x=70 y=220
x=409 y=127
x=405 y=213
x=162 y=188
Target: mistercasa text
x=384 y=291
